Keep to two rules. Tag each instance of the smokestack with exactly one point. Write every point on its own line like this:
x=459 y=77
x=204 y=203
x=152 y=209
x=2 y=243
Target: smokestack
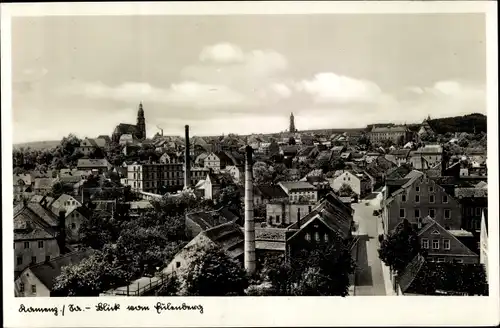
x=187 y=161
x=298 y=217
x=61 y=237
x=249 y=220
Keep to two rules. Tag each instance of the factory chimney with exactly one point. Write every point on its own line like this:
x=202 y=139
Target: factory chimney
x=187 y=161
x=249 y=220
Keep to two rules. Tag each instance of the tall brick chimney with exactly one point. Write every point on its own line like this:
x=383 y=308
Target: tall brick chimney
x=187 y=160
x=61 y=234
x=249 y=259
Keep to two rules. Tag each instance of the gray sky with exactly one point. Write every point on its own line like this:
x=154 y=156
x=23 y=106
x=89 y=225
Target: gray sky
x=242 y=74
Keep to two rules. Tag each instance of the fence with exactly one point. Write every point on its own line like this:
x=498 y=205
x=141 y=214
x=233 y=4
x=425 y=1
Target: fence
x=140 y=286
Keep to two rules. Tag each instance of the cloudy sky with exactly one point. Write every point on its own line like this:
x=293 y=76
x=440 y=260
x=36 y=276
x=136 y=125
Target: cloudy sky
x=242 y=74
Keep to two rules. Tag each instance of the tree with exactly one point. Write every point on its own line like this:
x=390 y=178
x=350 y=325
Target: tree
x=400 y=247
x=345 y=190
x=170 y=287
x=230 y=197
x=213 y=273
x=261 y=173
x=90 y=277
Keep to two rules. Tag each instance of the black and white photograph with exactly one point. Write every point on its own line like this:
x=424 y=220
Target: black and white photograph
x=323 y=154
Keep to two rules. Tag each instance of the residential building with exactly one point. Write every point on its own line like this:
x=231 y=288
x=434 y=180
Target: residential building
x=236 y=172
x=284 y=213
x=425 y=128
x=398 y=156
x=426 y=157
x=198 y=174
x=88 y=146
x=75 y=217
x=43 y=185
x=360 y=183
x=23 y=186
x=399 y=135
x=473 y=201
x=213 y=162
x=330 y=219
x=38 y=280
x=442 y=245
x=214 y=183
x=416 y=198
x=155 y=178
x=306 y=154
x=37 y=235
x=64 y=203
x=264 y=194
x=99 y=165
x=299 y=190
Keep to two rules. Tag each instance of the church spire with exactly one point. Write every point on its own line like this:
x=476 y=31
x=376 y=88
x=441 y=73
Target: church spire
x=292 y=124
x=141 y=123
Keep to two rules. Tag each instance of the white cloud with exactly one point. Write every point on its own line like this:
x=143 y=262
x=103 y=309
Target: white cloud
x=184 y=94
x=332 y=88
x=222 y=53
x=281 y=90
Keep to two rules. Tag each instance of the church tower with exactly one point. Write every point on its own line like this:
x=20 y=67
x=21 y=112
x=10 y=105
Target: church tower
x=141 y=123
x=292 y=124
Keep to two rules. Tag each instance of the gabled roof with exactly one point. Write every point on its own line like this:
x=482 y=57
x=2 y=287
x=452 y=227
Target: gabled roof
x=207 y=220
x=46 y=272
x=410 y=273
x=482 y=185
x=271 y=192
x=29 y=223
x=43 y=183
x=86 y=162
x=291 y=185
x=306 y=151
x=227 y=236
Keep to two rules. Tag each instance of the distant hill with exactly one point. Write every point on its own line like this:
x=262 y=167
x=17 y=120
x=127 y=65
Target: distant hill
x=38 y=145
x=468 y=123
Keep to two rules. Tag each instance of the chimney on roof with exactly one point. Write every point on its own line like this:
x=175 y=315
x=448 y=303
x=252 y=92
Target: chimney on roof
x=187 y=160
x=298 y=217
x=249 y=256
x=61 y=234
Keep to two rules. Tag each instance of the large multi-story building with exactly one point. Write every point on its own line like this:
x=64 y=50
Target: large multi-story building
x=397 y=134
x=426 y=157
x=160 y=178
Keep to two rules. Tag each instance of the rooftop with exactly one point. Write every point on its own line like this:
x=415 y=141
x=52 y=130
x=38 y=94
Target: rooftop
x=291 y=185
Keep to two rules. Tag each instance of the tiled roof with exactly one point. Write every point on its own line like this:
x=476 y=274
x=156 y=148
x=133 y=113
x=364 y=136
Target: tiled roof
x=207 y=220
x=410 y=273
x=481 y=185
x=227 y=236
x=471 y=193
x=271 y=192
x=44 y=214
x=28 y=225
x=270 y=234
x=291 y=185
x=306 y=151
x=26 y=178
x=389 y=129
x=86 y=162
x=46 y=272
x=400 y=153
x=430 y=149
x=43 y=183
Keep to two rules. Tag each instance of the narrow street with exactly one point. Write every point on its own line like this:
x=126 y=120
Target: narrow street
x=368 y=279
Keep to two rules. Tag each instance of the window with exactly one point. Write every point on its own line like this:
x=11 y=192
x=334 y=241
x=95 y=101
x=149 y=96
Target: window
x=403 y=198
x=425 y=243
x=445 y=199
x=417 y=189
x=73 y=226
x=40 y=244
x=47 y=258
x=478 y=211
x=432 y=212
x=277 y=219
x=177 y=264
x=440 y=259
x=417 y=213
x=431 y=198
x=446 y=244
x=33 y=259
x=308 y=237
x=21 y=287
x=19 y=260
x=26 y=244
x=431 y=189
x=402 y=213
x=33 y=289
x=447 y=213
x=458 y=261
x=316 y=236
x=326 y=237
x=310 y=209
x=417 y=199
x=435 y=244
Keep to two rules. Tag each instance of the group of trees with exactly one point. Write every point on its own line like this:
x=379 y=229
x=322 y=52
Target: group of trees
x=128 y=246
